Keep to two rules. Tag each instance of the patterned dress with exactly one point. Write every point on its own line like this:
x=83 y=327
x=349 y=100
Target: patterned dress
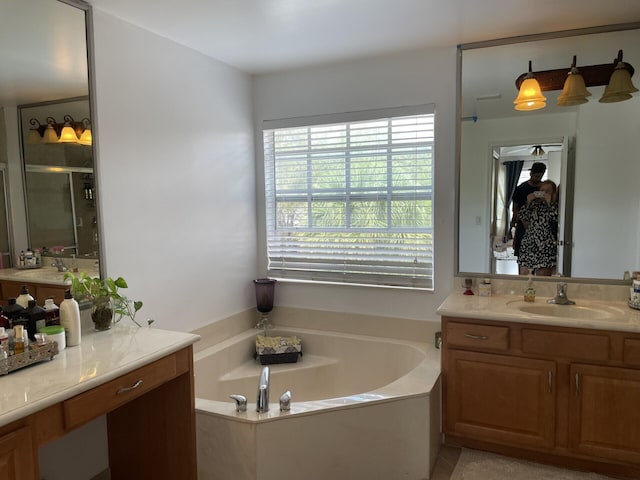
x=539 y=248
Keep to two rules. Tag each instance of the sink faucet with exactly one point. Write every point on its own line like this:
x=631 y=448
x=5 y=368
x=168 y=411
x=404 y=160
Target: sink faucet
x=561 y=296
x=59 y=264
x=262 y=403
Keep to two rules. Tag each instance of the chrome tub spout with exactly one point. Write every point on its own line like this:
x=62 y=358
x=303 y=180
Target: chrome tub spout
x=262 y=403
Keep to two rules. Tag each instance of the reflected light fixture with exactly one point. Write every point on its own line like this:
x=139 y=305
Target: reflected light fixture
x=530 y=96
x=537 y=151
x=574 y=91
x=86 y=138
x=34 y=132
x=68 y=134
x=620 y=86
x=50 y=135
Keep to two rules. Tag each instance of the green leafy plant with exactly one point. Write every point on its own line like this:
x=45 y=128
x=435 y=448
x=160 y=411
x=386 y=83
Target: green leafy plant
x=97 y=290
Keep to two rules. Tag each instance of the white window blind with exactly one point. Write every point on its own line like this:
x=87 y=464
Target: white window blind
x=349 y=197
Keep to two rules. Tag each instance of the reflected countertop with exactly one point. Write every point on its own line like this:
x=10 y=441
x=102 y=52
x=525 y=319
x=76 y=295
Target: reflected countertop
x=592 y=313
x=101 y=357
x=49 y=275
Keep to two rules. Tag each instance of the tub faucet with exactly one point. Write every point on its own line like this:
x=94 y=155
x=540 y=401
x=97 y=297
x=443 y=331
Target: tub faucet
x=285 y=401
x=241 y=402
x=561 y=296
x=262 y=403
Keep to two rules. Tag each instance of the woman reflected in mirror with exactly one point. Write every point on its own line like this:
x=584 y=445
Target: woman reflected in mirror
x=539 y=245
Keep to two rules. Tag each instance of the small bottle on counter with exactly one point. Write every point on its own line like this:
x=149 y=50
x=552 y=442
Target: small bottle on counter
x=24 y=297
x=19 y=343
x=21 y=259
x=37 y=318
x=53 y=312
x=4 y=343
x=70 y=319
x=530 y=291
x=484 y=289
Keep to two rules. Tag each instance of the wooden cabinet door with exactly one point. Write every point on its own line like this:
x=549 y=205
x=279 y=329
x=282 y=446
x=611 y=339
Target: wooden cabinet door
x=500 y=399
x=17 y=461
x=604 y=418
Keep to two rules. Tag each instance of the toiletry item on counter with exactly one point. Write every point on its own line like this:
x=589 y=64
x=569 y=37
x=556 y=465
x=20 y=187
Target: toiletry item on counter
x=4 y=341
x=55 y=333
x=16 y=313
x=468 y=284
x=20 y=340
x=70 y=319
x=53 y=312
x=24 y=297
x=530 y=291
x=21 y=259
x=5 y=322
x=635 y=291
x=484 y=289
x=29 y=259
x=37 y=318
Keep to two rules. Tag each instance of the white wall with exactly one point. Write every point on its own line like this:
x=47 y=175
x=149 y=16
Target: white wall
x=425 y=76
x=176 y=175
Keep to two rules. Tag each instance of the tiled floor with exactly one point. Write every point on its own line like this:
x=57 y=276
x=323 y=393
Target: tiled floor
x=447 y=459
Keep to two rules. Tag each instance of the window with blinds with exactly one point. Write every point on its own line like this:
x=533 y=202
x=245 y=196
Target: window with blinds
x=349 y=197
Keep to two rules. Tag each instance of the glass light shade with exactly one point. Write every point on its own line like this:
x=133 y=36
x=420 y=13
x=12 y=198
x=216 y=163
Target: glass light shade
x=620 y=87
x=34 y=137
x=574 y=91
x=265 y=293
x=86 y=138
x=50 y=135
x=68 y=135
x=530 y=96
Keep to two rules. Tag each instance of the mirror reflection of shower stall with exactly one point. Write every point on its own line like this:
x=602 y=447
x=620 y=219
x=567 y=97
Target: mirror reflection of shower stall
x=61 y=209
x=5 y=245
x=511 y=164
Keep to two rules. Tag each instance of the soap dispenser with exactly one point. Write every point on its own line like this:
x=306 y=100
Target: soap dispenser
x=530 y=291
x=24 y=297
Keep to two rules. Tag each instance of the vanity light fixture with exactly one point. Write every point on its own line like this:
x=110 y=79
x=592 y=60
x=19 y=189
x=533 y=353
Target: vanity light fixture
x=620 y=86
x=529 y=96
x=70 y=131
x=616 y=76
x=574 y=91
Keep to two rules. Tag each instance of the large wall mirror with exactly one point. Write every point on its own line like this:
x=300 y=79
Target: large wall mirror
x=589 y=150
x=48 y=188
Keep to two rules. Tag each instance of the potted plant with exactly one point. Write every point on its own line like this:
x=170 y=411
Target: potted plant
x=107 y=300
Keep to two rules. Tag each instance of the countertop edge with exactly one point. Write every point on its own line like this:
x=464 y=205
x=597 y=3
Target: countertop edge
x=184 y=340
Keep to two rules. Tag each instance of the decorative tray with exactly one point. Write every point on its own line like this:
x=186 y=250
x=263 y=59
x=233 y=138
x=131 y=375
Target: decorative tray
x=36 y=353
x=634 y=305
x=272 y=350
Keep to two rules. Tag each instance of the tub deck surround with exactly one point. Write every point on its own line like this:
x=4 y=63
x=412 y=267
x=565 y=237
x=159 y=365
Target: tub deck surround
x=101 y=357
x=363 y=405
x=586 y=313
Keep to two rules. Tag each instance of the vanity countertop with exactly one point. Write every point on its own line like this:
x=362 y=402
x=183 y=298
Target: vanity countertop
x=48 y=275
x=604 y=315
x=101 y=357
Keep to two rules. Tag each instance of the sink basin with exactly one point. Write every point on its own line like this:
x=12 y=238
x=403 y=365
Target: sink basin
x=583 y=311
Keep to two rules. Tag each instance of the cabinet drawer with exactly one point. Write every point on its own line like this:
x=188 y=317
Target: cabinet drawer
x=631 y=351
x=580 y=346
x=477 y=336
x=105 y=398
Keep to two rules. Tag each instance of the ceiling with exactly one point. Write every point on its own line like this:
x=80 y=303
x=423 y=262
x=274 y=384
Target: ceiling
x=42 y=46
x=259 y=36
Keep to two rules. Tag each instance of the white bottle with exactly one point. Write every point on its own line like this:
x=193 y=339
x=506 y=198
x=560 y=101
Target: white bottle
x=70 y=319
x=24 y=297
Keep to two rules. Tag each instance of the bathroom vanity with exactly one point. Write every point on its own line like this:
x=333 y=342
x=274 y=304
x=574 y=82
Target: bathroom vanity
x=140 y=378
x=43 y=283
x=535 y=381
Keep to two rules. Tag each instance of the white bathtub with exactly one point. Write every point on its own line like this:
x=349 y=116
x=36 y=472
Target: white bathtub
x=362 y=407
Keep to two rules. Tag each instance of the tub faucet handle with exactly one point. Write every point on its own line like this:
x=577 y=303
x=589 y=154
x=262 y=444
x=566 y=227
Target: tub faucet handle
x=285 y=401
x=241 y=402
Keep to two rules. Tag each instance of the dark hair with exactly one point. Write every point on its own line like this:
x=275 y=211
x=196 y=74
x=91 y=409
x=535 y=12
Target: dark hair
x=538 y=167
